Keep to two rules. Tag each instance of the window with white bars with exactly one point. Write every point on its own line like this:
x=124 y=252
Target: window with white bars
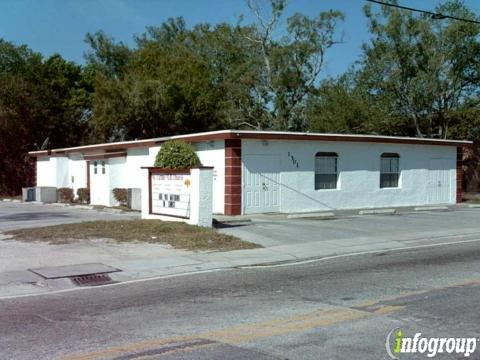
x=326 y=170
x=389 y=170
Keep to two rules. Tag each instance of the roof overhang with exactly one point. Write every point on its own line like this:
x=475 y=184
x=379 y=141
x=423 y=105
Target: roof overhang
x=92 y=150
x=105 y=155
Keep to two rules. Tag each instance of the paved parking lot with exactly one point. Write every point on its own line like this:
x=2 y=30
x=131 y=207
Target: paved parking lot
x=355 y=229
x=19 y=215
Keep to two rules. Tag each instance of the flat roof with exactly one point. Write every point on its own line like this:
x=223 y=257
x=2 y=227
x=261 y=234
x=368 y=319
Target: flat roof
x=250 y=134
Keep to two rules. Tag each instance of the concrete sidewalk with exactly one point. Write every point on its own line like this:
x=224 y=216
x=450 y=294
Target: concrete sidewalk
x=142 y=261
x=285 y=241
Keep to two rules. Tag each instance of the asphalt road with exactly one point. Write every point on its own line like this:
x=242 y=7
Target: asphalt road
x=335 y=309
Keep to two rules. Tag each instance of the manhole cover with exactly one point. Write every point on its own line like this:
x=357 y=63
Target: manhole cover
x=92 y=280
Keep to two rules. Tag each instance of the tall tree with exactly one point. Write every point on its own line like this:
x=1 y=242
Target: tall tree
x=430 y=66
x=343 y=105
x=163 y=88
x=290 y=63
x=43 y=103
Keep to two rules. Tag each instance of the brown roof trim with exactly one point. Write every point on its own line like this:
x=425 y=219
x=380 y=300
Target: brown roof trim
x=106 y=155
x=201 y=137
x=111 y=147
x=260 y=135
x=350 y=138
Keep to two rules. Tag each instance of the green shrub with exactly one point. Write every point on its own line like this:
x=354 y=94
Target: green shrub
x=83 y=195
x=121 y=195
x=65 y=195
x=176 y=155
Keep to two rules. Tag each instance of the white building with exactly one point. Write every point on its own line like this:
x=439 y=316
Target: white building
x=266 y=171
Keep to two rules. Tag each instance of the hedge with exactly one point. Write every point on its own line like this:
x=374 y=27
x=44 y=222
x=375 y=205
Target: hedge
x=176 y=155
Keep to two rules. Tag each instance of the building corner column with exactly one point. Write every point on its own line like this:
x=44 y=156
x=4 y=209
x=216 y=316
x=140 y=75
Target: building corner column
x=233 y=177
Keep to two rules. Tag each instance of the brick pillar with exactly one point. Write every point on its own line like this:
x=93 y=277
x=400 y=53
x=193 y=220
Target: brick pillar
x=34 y=166
x=459 y=174
x=233 y=177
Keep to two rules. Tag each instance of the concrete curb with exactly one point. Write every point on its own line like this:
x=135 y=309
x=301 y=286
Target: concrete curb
x=431 y=208
x=319 y=215
x=377 y=212
x=84 y=207
x=233 y=221
x=474 y=206
x=59 y=204
x=283 y=259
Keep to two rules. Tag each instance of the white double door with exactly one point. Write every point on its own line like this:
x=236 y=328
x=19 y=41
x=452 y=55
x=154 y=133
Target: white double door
x=439 y=181
x=261 y=183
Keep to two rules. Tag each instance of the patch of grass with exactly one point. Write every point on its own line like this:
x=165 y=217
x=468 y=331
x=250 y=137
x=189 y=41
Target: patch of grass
x=473 y=201
x=178 y=235
x=471 y=198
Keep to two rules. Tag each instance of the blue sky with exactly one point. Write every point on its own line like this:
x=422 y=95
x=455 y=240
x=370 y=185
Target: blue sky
x=59 y=26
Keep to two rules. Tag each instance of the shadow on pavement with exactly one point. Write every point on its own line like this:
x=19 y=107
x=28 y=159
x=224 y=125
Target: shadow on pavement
x=33 y=216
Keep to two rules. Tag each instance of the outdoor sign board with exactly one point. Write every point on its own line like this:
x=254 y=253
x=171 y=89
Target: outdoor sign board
x=170 y=193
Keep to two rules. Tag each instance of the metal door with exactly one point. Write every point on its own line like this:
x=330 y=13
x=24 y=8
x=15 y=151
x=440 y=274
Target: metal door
x=439 y=185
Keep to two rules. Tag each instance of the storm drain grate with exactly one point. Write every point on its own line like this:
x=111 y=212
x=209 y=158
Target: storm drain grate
x=92 y=280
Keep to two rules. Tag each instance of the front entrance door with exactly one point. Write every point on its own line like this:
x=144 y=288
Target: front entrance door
x=99 y=184
x=439 y=186
x=261 y=183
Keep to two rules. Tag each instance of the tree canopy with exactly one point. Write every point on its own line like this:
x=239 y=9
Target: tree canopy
x=44 y=102
x=417 y=76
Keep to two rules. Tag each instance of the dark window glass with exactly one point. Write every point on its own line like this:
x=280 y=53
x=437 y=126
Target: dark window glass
x=389 y=170
x=326 y=172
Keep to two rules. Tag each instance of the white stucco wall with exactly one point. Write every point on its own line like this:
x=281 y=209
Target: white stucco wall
x=54 y=171
x=46 y=171
x=117 y=177
x=201 y=197
x=77 y=172
x=358 y=168
x=62 y=171
x=58 y=172
x=212 y=153
x=136 y=158
x=122 y=172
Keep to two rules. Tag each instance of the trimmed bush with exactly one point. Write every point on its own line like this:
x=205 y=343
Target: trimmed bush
x=176 y=155
x=65 y=195
x=121 y=195
x=83 y=195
